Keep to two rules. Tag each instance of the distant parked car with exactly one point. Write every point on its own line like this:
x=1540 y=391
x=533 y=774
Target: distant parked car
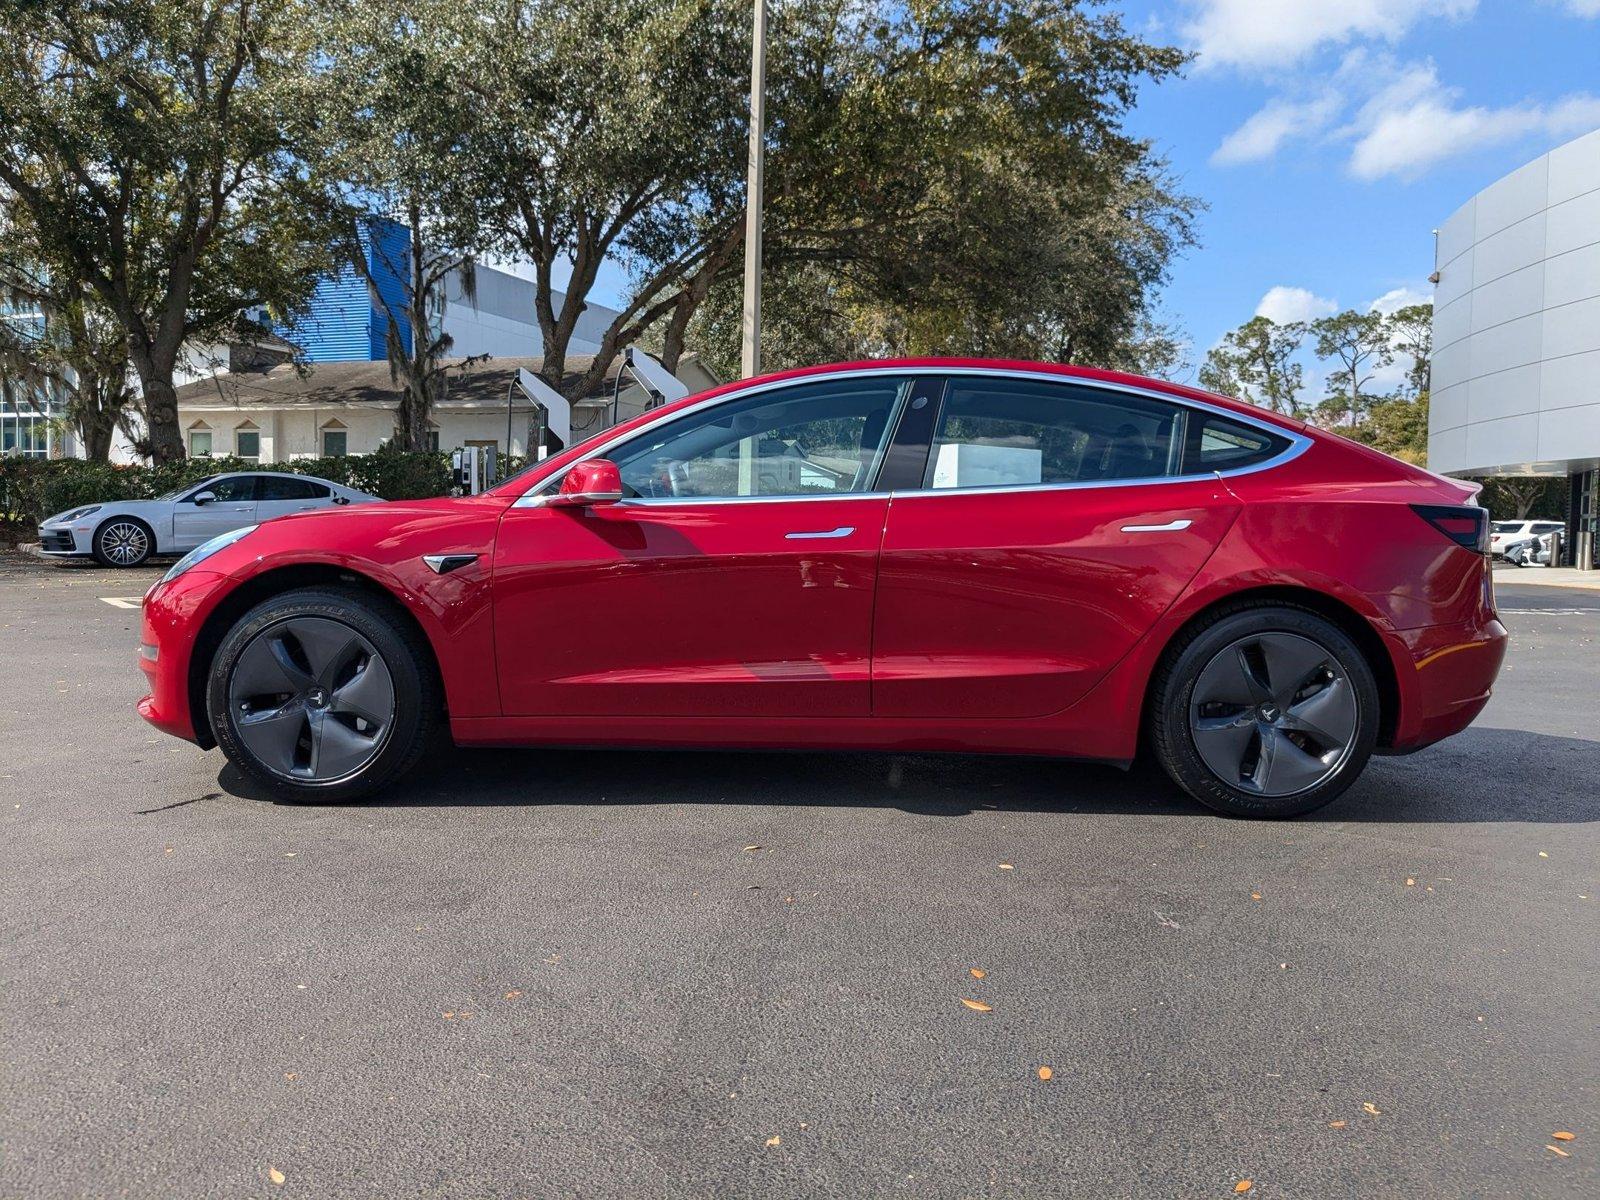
x=1505 y=534
x=124 y=533
x=1530 y=552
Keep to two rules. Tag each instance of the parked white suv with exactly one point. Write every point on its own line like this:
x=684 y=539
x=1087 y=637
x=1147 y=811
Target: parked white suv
x=1504 y=534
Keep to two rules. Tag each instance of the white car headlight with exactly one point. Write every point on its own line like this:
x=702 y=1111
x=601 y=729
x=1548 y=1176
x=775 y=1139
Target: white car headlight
x=72 y=515
x=205 y=550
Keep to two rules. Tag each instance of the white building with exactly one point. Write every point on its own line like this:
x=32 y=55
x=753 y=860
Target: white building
x=1516 y=331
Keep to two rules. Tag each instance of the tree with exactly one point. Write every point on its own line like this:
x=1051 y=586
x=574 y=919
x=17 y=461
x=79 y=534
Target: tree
x=70 y=349
x=392 y=154
x=151 y=144
x=1359 y=343
x=942 y=176
x=1396 y=426
x=1256 y=362
x=1519 y=497
x=1411 y=333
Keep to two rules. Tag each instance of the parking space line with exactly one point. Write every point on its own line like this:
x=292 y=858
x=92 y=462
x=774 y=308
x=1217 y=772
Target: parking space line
x=123 y=601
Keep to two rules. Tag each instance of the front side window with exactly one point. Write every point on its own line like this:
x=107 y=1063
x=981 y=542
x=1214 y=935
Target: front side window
x=998 y=432
x=232 y=489
x=817 y=439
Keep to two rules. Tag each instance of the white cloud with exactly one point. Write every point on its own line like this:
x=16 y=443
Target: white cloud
x=1273 y=34
x=1397 y=298
x=1584 y=8
x=1415 y=122
x=1262 y=135
x=1284 y=304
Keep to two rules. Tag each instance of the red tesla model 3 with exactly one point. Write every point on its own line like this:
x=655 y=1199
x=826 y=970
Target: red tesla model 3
x=909 y=555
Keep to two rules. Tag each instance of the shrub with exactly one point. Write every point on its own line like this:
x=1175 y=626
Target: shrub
x=33 y=488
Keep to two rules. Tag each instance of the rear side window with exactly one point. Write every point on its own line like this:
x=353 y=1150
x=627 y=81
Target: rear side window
x=274 y=488
x=1220 y=444
x=998 y=432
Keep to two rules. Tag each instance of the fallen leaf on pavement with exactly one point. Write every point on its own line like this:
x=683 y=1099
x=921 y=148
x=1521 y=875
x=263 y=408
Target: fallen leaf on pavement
x=1558 y=1150
x=1335 y=1124
x=1244 y=1185
x=291 y=1075
x=448 y=1016
x=513 y=994
x=1007 y=867
x=275 y=1175
x=752 y=848
x=976 y=1005
x=1542 y=854
x=774 y=1140
x=1563 y=1136
x=976 y=973
x=1255 y=895
x=1371 y=1109
x=1045 y=1073
x=1411 y=883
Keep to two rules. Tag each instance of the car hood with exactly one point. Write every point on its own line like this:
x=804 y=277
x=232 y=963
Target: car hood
x=149 y=509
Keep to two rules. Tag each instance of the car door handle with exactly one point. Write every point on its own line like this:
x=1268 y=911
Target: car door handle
x=1169 y=527
x=841 y=531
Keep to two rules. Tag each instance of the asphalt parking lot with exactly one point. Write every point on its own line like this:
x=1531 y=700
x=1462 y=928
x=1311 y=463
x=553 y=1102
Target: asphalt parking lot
x=635 y=974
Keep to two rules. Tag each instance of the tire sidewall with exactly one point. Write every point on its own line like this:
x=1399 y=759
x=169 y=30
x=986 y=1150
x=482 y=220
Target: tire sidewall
x=98 y=544
x=1175 y=740
x=398 y=657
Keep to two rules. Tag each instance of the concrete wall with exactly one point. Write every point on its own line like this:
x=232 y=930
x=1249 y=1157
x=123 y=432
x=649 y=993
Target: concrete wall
x=291 y=433
x=1516 y=327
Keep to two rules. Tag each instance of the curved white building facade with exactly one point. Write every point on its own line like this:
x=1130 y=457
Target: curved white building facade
x=1516 y=327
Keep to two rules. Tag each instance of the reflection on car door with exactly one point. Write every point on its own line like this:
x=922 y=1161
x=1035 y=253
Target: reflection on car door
x=735 y=578
x=234 y=506
x=1002 y=594
x=279 y=495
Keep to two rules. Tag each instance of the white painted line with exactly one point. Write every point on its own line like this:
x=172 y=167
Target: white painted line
x=123 y=601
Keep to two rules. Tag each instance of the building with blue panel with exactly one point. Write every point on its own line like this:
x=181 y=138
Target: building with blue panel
x=343 y=324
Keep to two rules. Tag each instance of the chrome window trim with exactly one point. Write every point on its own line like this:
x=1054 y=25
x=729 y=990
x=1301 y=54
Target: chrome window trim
x=1299 y=443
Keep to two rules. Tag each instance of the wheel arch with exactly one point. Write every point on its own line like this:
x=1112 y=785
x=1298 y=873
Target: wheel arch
x=274 y=582
x=1331 y=608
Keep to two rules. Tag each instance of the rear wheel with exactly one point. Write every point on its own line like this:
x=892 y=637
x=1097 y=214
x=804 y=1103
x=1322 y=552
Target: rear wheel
x=322 y=694
x=123 y=542
x=1267 y=711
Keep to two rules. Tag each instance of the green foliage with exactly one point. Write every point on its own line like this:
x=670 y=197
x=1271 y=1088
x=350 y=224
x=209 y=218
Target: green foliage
x=1255 y=362
x=32 y=489
x=1396 y=426
x=1520 y=497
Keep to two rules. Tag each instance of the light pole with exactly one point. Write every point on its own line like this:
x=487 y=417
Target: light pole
x=750 y=352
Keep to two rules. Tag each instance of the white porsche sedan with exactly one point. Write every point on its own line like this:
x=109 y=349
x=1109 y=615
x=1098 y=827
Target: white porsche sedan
x=125 y=533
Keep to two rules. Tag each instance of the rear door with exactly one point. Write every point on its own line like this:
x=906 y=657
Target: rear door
x=233 y=505
x=1054 y=522
x=279 y=495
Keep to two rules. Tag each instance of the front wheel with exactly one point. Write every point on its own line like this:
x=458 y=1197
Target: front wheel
x=322 y=694
x=123 y=542
x=1268 y=711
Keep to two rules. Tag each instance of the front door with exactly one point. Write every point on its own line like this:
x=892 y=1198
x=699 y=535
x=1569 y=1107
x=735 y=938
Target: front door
x=231 y=506
x=1055 y=522
x=735 y=578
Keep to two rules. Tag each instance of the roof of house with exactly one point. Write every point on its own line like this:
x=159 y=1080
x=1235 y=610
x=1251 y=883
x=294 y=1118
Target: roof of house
x=476 y=384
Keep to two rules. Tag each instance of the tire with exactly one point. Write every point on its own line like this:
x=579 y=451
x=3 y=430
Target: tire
x=323 y=694
x=123 y=542
x=1267 y=710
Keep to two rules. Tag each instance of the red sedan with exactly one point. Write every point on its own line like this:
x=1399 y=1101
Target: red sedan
x=926 y=555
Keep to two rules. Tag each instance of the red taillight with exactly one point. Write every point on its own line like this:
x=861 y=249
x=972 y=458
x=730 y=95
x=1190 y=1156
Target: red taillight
x=1466 y=525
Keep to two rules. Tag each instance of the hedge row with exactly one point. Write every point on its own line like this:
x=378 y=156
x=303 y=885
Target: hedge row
x=32 y=488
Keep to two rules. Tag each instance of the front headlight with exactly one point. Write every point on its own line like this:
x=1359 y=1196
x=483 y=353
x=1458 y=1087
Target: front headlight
x=205 y=550
x=72 y=515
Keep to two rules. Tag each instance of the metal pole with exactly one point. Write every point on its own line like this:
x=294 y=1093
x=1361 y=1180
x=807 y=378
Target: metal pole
x=750 y=354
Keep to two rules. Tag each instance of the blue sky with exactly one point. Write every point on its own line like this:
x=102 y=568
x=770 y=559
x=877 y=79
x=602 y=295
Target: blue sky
x=1330 y=137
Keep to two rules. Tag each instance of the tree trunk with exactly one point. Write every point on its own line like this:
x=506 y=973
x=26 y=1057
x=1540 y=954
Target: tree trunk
x=160 y=411
x=95 y=417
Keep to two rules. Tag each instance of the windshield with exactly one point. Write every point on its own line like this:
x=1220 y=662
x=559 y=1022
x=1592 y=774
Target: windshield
x=178 y=491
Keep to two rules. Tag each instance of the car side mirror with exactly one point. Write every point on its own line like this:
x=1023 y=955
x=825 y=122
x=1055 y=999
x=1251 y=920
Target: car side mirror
x=203 y=497
x=595 y=481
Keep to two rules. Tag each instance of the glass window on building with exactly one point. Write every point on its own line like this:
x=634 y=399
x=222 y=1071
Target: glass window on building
x=199 y=443
x=335 y=443
x=247 y=443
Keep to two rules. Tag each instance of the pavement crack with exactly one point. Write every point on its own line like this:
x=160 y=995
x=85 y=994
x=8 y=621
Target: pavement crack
x=144 y=812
